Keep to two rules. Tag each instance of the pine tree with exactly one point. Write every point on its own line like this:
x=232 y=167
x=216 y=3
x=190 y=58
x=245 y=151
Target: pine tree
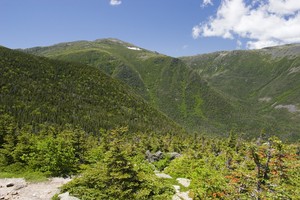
x=122 y=178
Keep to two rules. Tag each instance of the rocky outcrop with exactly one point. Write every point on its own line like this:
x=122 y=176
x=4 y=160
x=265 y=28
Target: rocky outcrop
x=152 y=157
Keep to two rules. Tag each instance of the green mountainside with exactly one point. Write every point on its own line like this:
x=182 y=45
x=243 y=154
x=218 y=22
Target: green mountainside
x=266 y=82
x=248 y=91
x=36 y=90
x=165 y=82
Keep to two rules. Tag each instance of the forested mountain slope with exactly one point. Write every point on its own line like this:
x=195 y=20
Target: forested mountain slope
x=36 y=90
x=248 y=91
x=165 y=82
x=267 y=81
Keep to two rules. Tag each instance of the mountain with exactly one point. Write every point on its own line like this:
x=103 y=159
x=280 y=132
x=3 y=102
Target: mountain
x=248 y=91
x=166 y=83
x=266 y=82
x=37 y=90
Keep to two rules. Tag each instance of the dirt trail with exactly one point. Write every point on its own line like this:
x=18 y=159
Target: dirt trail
x=18 y=188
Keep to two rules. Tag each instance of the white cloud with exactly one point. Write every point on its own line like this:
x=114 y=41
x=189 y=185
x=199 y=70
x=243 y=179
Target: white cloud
x=262 y=44
x=263 y=23
x=196 y=31
x=284 y=7
x=239 y=44
x=115 y=2
x=207 y=2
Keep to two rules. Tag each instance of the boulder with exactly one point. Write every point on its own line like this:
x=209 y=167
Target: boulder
x=163 y=175
x=158 y=155
x=10 y=185
x=66 y=196
x=174 y=155
x=184 y=181
x=154 y=157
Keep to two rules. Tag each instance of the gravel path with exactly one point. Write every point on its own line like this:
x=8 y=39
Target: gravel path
x=17 y=188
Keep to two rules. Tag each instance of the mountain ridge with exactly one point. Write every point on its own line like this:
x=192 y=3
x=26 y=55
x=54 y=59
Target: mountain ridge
x=214 y=92
x=41 y=90
x=267 y=80
x=163 y=81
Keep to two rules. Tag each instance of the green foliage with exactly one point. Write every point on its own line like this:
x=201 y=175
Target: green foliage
x=56 y=120
x=115 y=177
x=50 y=150
x=55 y=155
x=165 y=82
x=37 y=90
x=256 y=82
x=55 y=197
x=20 y=171
x=259 y=170
x=162 y=163
x=113 y=164
x=211 y=93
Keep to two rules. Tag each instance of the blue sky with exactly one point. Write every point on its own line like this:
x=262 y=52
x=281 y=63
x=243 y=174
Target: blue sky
x=172 y=27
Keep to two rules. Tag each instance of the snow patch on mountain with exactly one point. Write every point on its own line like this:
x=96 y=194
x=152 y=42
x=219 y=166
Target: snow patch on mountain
x=134 y=48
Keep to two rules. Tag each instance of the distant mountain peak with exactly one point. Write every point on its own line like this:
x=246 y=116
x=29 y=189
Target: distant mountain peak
x=113 y=40
x=283 y=50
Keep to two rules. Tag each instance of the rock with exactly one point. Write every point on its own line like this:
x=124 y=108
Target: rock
x=180 y=195
x=163 y=175
x=184 y=195
x=149 y=156
x=177 y=188
x=184 y=181
x=174 y=155
x=154 y=157
x=10 y=185
x=20 y=186
x=66 y=196
x=176 y=197
x=158 y=155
